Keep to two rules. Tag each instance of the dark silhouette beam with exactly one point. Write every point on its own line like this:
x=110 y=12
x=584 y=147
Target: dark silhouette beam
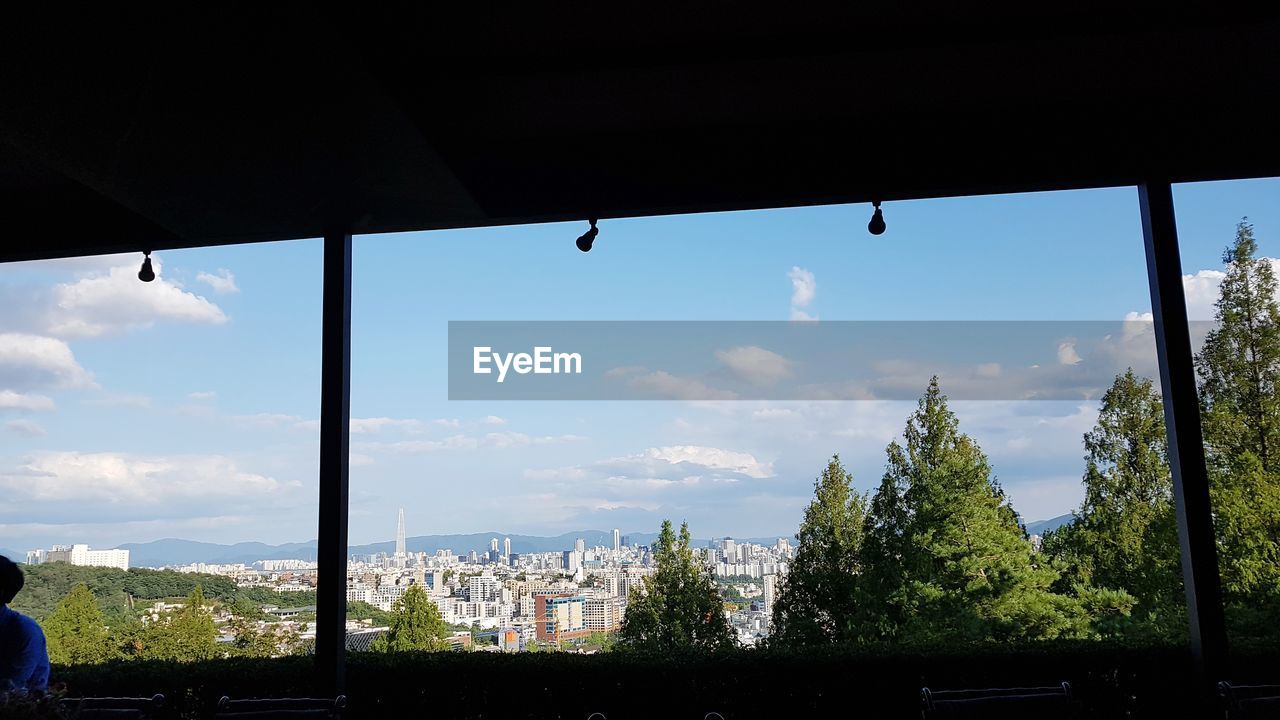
x=1186 y=442
x=335 y=418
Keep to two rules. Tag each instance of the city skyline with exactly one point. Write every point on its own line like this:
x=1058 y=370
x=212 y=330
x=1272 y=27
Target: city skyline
x=102 y=443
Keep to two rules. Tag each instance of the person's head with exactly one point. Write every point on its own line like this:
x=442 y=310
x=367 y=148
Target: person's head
x=11 y=580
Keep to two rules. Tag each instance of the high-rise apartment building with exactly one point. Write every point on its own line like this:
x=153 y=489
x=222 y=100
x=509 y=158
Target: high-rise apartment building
x=770 y=591
x=560 y=617
x=617 y=540
x=484 y=588
x=602 y=614
x=81 y=554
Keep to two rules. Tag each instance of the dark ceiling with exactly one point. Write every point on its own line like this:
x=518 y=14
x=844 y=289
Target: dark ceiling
x=126 y=126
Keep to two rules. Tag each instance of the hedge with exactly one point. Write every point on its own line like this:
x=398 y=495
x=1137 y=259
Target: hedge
x=1110 y=681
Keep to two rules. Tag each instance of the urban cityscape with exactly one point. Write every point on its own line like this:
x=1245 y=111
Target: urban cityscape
x=499 y=599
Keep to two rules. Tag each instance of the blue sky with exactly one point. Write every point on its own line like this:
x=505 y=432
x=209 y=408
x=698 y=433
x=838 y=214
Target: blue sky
x=187 y=407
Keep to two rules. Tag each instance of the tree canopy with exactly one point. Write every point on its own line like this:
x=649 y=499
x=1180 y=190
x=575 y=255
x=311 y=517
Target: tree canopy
x=678 y=607
x=75 y=632
x=1124 y=536
x=945 y=555
x=415 y=625
x=1239 y=369
x=817 y=601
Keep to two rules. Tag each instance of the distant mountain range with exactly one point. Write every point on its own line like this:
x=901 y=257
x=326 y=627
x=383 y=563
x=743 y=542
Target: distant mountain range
x=172 y=551
x=1040 y=527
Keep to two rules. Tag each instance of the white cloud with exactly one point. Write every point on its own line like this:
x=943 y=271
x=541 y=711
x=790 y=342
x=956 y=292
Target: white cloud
x=101 y=304
x=122 y=400
x=274 y=420
x=766 y=414
x=498 y=441
x=447 y=422
x=203 y=395
x=28 y=361
x=693 y=473
x=224 y=282
x=755 y=364
x=493 y=420
x=664 y=385
x=515 y=439
x=989 y=370
x=1067 y=354
x=373 y=426
x=117 y=479
x=710 y=457
x=25 y=428
x=1201 y=290
x=804 y=288
x=10 y=400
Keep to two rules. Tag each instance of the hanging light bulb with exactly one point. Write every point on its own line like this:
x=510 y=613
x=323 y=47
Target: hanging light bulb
x=587 y=238
x=876 y=226
x=146 y=274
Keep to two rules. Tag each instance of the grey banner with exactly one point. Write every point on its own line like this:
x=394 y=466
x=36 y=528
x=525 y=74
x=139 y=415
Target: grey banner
x=766 y=360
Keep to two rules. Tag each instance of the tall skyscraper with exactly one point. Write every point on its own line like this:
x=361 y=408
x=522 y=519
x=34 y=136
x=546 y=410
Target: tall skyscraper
x=580 y=545
x=506 y=547
x=400 y=553
x=617 y=540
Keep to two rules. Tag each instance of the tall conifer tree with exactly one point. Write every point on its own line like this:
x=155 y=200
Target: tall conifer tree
x=946 y=557
x=817 y=600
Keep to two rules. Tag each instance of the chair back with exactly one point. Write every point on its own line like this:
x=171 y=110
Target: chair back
x=1244 y=702
x=114 y=708
x=1042 y=703
x=281 y=708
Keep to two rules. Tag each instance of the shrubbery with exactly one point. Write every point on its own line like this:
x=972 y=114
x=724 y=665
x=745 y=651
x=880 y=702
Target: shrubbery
x=1111 y=681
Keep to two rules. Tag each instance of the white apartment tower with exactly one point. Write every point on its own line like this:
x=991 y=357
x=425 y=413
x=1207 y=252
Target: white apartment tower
x=770 y=591
x=80 y=554
x=617 y=540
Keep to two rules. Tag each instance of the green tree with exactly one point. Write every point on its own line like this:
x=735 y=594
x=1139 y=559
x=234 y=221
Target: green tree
x=360 y=610
x=679 y=607
x=185 y=634
x=602 y=641
x=252 y=640
x=1124 y=536
x=416 y=625
x=76 y=632
x=945 y=555
x=1239 y=369
x=243 y=607
x=817 y=600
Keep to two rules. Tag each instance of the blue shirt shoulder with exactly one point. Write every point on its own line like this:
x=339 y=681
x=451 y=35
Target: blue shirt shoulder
x=24 y=659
